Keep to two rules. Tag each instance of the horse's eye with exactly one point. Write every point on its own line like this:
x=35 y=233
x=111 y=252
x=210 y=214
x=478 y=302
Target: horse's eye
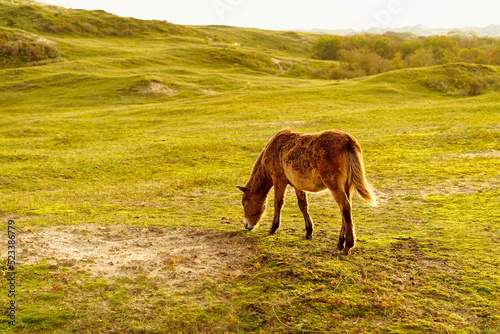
x=243 y=203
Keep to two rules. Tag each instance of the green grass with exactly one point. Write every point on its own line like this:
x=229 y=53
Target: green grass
x=88 y=140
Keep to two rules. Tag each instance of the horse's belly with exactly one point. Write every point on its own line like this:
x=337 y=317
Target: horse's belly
x=310 y=181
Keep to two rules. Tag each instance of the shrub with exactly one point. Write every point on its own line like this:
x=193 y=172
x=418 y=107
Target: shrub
x=444 y=49
x=494 y=56
x=338 y=73
x=88 y=27
x=327 y=48
x=364 y=60
x=397 y=62
x=409 y=47
x=473 y=56
x=421 y=58
x=384 y=48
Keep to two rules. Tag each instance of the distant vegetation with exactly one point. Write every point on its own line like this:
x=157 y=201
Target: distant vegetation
x=492 y=30
x=37 y=34
x=362 y=55
x=289 y=54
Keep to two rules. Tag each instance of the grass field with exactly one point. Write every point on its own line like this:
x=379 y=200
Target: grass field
x=127 y=141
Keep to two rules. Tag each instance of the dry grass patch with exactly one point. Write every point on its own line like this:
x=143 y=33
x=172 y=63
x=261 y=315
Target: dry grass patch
x=178 y=258
x=156 y=88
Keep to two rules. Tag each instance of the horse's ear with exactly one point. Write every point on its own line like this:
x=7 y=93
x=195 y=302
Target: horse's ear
x=242 y=189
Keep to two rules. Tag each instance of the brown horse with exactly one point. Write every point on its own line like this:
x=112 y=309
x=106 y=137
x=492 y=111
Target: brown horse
x=308 y=162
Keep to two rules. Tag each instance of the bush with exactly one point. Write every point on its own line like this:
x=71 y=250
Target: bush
x=338 y=73
x=88 y=27
x=494 y=56
x=327 y=48
x=364 y=60
x=421 y=58
x=397 y=62
x=473 y=56
x=444 y=49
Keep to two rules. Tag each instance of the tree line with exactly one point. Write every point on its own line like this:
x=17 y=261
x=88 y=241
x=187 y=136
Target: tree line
x=361 y=55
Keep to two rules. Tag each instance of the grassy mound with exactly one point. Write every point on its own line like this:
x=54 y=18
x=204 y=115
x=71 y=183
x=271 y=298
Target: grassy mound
x=451 y=79
x=281 y=43
x=34 y=17
x=19 y=48
x=465 y=79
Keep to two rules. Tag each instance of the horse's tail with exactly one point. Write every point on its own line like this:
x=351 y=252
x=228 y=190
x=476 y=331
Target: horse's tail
x=356 y=174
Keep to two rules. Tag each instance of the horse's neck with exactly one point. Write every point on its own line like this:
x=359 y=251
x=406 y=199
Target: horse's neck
x=260 y=182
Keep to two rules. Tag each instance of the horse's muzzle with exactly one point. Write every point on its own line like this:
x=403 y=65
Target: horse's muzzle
x=247 y=225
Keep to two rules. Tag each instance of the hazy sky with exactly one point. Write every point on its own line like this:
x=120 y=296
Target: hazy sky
x=303 y=14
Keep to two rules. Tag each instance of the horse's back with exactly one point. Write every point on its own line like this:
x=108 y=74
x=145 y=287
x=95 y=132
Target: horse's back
x=301 y=158
x=294 y=145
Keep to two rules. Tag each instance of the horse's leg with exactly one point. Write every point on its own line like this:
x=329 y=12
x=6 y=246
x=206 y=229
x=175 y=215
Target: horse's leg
x=340 y=245
x=279 y=200
x=302 y=200
x=341 y=192
x=342 y=200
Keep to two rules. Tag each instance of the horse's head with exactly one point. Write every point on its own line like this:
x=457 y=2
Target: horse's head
x=254 y=206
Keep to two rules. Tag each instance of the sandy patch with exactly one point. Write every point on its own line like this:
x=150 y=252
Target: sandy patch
x=280 y=66
x=444 y=187
x=207 y=91
x=485 y=154
x=181 y=257
x=156 y=88
x=478 y=154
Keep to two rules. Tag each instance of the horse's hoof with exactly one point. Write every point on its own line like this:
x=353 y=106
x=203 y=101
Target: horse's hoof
x=340 y=245
x=272 y=232
x=309 y=236
x=346 y=251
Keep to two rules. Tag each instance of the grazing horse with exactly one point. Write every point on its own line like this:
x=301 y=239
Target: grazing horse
x=308 y=162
